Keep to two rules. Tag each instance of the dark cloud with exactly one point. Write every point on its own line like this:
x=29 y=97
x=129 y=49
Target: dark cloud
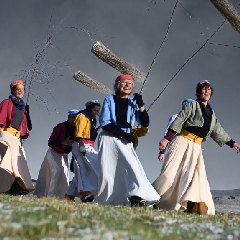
x=134 y=33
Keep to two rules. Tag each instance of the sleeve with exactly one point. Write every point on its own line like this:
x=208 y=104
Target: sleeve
x=105 y=116
x=114 y=129
x=80 y=125
x=219 y=135
x=3 y=112
x=144 y=119
x=54 y=139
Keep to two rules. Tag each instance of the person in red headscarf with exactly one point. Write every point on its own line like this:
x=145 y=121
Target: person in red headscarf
x=15 y=124
x=122 y=179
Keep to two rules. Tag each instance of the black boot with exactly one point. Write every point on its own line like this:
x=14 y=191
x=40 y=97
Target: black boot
x=189 y=207
x=137 y=201
x=87 y=198
x=16 y=189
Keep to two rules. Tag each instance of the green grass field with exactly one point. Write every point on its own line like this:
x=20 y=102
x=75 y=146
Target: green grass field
x=49 y=218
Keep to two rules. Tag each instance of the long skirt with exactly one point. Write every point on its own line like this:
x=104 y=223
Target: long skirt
x=121 y=174
x=85 y=169
x=13 y=164
x=53 y=176
x=183 y=177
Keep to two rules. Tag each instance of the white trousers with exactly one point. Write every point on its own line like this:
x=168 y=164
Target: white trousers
x=85 y=169
x=13 y=163
x=121 y=174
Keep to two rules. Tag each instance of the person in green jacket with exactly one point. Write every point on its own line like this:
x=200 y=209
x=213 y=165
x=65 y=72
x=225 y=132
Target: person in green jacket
x=183 y=183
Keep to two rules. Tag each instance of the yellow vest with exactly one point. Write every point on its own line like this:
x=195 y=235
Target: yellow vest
x=82 y=126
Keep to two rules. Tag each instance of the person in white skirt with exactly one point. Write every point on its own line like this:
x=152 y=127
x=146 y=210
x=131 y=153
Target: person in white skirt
x=85 y=159
x=183 y=183
x=53 y=175
x=15 y=124
x=122 y=179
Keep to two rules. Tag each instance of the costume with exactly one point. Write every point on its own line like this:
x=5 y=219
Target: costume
x=183 y=177
x=85 y=165
x=53 y=175
x=13 y=127
x=121 y=175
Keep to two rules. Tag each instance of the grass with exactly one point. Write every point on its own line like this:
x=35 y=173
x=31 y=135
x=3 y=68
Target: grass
x=49 y=218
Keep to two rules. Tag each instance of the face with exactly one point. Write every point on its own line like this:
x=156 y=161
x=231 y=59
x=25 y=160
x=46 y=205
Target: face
x=71 y=119
x=95 y=111
x=205 y=94
x=18 y=92
x=126 y=87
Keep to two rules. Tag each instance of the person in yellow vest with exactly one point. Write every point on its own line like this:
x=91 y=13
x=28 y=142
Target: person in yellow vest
x=85 y=159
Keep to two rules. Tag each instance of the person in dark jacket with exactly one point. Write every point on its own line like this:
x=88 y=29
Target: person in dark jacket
x=53 y=176
x=15 y=124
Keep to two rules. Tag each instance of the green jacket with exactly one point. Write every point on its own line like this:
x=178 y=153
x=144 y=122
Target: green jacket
x=191 y=115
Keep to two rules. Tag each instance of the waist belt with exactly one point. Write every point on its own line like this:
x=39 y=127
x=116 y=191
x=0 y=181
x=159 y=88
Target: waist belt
x=11 y=130
x=190 y=136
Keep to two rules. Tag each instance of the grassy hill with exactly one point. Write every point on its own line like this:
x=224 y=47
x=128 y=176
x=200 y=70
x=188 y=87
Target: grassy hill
x=48 y=218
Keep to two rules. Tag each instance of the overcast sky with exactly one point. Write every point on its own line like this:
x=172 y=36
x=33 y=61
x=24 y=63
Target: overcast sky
x=133 y=30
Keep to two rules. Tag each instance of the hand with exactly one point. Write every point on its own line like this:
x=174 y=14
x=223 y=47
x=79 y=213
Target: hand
x=82 y=150
x=237 y=147
x=163 y=144
x=139 y=100
x=129 y=137
x=161 y=157
x=67 y=142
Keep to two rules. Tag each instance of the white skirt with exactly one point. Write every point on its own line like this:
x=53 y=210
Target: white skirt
x=121 y=174
x=53 y=175
x=183 y=177
x=85 y=169
x=13 y=163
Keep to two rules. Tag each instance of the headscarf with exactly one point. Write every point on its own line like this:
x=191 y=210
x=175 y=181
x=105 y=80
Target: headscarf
x=73 y=112
x=14 y=83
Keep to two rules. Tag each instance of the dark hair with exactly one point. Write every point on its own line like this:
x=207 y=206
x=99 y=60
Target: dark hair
x=201 y=86
x=91 y=106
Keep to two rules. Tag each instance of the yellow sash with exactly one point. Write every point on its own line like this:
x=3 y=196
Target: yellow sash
x=190 y=136
x=11 y=130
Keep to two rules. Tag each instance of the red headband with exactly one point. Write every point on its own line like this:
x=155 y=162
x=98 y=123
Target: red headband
x=16 y=82
x=124 y=77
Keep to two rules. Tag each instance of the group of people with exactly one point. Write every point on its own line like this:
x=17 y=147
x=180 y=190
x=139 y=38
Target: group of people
x=114 y=174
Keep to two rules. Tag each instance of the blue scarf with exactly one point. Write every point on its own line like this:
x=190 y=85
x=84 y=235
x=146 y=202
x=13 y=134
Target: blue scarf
x=19 y=103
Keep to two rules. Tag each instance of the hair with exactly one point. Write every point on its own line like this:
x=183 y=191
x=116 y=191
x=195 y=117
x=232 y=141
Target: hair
x=201 y=86
x=117 y=85
x=91 y=106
